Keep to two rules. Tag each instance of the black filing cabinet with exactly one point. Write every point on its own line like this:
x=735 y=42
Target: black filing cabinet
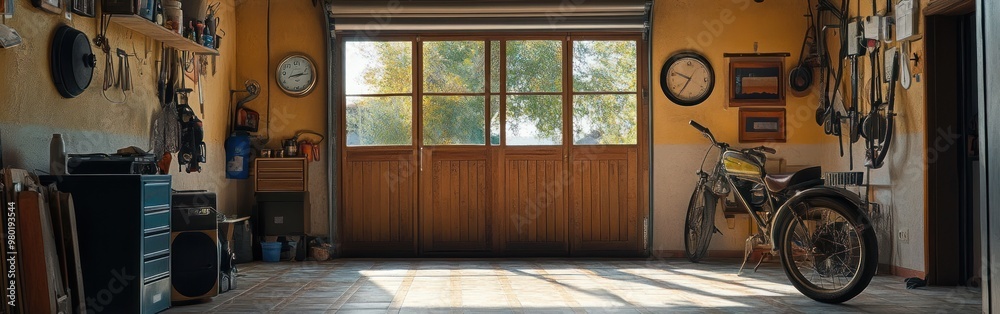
x=123 y=226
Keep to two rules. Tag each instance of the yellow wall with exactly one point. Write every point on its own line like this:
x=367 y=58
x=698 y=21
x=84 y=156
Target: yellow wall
x=31 y=109
x=296 y=26
x=712 y=28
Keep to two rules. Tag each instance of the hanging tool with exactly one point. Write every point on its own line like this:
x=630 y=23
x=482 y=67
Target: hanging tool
x=876 y=154
x=124 y=72
x=192 y=150
x=201 y=93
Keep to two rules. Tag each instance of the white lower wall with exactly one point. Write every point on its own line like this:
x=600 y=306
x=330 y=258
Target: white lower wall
x=899 y=187
x=674 y=176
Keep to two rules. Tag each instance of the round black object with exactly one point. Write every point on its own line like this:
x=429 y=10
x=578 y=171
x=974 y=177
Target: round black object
x=194 y=264
x=800 y=78
x=690 y=57
x=73 y=61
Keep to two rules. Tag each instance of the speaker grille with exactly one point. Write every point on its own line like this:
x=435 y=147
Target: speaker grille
x=195 y=264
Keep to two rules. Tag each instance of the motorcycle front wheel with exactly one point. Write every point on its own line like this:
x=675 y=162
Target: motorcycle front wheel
x=828 y=252
x=700 y=223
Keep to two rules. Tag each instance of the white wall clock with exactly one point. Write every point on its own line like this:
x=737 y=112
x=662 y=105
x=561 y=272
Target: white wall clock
x=296 y=75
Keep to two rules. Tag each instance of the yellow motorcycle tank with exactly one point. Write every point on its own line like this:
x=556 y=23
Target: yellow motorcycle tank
x=739 y=165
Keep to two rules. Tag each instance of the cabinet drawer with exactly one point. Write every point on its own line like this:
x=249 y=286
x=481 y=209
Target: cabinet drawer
x=156 y=296
x=280 y=165
x=280 y=185
x=281 y=175
x=156 y=244
x=155 y=268
x=158 y=219
x=155 y=194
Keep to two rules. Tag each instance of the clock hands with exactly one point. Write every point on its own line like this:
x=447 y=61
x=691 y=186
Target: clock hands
x=297 y=75
x=688 y=81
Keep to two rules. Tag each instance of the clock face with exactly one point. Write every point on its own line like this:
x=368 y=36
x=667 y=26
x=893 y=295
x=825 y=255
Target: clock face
x=296 y=75
x=687 y=79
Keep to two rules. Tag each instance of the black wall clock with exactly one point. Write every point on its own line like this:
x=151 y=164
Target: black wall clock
x=687 y=79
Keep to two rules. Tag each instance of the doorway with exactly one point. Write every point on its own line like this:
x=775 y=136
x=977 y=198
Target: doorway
x=494 y=145
x=953 y=154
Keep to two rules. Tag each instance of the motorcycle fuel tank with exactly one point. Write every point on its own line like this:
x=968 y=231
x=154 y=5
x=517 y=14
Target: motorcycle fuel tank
x=740 y=165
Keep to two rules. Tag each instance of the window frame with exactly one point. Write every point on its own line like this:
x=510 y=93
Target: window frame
x=567 y=93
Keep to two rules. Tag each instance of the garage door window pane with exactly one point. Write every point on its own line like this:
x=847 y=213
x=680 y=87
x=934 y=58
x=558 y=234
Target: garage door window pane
x=379 y=121
x=604 y=119
x=494 y=120
x=495 y=66
x=534 y=120
x=534 y=66
x=454 y=66
x=454 y=120
x=604 y=66
x=378 y=67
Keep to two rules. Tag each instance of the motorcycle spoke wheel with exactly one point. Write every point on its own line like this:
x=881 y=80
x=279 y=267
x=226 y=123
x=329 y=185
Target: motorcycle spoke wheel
x=699 y=225
x=827 y=254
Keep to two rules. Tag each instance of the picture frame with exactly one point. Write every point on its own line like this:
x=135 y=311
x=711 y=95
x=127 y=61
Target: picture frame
x=762 y=125
x=83 y=7
x=51 y=6
x=756 y=81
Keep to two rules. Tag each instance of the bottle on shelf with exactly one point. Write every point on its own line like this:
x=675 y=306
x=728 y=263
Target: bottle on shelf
x=57 y=156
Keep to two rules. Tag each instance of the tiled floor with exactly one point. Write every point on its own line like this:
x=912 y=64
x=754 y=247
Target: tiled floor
x=551 y=285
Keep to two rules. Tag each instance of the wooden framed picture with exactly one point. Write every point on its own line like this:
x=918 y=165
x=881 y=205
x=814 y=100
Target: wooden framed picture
x=51 y=6
x=756 y=81
x=762 y=125
x=83 y=7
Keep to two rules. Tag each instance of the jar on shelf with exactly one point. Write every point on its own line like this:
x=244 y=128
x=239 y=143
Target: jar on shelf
x=173 y=16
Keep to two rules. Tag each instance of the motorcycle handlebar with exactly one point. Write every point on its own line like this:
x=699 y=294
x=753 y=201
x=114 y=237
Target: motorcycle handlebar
x=768 y=150
x=699 y=127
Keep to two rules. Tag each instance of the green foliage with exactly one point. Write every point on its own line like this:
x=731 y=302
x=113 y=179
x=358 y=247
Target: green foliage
x=452 y=120
x=379 y=121
x=604 y=66
x=458 y=67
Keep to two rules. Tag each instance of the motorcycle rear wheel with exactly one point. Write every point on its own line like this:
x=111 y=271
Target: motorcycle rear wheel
x=699 y=226
x=827 y=251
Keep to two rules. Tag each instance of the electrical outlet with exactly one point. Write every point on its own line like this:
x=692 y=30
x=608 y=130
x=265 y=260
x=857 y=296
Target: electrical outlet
x=904 y=235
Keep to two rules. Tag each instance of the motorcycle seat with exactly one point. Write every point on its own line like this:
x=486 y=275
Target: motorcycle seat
x=780 y=182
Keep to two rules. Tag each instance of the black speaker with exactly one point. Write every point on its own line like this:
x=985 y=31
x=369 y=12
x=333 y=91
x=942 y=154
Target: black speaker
x=194 y=247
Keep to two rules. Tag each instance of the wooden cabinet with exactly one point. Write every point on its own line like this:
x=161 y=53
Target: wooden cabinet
x=123 y=223
x=281 y=175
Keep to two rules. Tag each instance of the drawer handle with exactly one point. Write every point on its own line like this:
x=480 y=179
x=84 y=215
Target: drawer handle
x=156 y=231
x=155 y=210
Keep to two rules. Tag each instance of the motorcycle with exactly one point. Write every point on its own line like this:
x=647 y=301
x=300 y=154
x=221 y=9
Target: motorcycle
x=821 y=234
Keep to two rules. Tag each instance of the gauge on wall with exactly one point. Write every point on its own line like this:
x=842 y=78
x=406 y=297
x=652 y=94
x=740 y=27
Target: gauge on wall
x=296 y=75
x=687 y=79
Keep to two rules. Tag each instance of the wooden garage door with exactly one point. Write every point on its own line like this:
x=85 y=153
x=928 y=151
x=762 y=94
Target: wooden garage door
x=494 y=146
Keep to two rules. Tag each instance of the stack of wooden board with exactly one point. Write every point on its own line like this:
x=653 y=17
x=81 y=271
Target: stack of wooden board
x=41 y=255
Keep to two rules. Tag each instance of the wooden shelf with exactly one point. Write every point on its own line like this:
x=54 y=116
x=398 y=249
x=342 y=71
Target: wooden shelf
x=160 y=33
x=753 y=54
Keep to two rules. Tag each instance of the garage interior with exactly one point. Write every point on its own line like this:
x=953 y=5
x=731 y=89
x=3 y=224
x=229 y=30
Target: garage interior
x=492 y=156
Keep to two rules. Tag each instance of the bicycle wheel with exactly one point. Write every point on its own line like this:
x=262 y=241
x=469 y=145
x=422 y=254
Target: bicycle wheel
x=700 y=223
x=827 y=252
